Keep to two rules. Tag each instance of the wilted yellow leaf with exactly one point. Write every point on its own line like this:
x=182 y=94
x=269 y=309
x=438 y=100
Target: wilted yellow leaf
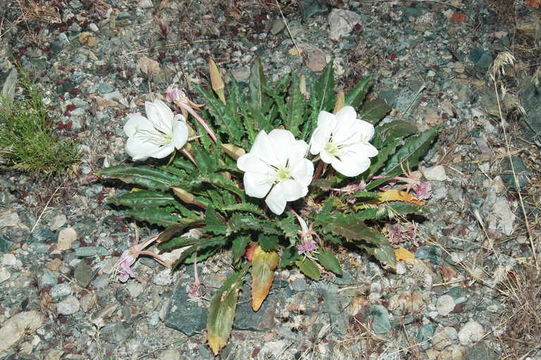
x=340 y=101
x=404 y=255
x=398 y=195
x=216 y=80
x=263 y=265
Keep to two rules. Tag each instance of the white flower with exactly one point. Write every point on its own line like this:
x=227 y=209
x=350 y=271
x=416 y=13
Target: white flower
x=342 y=140
x=156 y=136
x=276 y=167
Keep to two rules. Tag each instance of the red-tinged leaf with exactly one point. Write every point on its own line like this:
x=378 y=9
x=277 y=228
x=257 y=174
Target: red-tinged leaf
x=263 y=265
x=458 y=17
x=533 y=3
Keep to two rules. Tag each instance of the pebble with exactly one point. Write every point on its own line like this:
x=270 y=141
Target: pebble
x=91 y=251
x=16 y=327
x=66 y=237
x=443 y=337
x=93 y=27
x=169 y=354
x=9 y=260
x=9 y=220
x=380 y=319
x=68 y=306
x=435 y=173
x=58 y=221
x=135 y=289
x=60 y=291
x=4 y=274
x=445 y=305
x=83 y=274
x=145 y=4
x=342 y=22
x=163 y=278
x=471 y=332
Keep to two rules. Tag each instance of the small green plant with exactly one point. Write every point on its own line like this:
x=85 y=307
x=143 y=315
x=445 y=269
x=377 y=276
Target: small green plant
x=316 y=178
x=27 y=138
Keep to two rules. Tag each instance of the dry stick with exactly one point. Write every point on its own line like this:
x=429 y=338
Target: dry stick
x=289 y=31
x=508 y=148
x=45 y=208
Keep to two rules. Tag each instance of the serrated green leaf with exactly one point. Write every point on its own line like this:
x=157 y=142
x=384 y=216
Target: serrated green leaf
x=246 y=207
x=171 y=231
x=374 y=110
x=163 y=216
x=396 y=129
x=329 y=261
x=242 y=222
x=152 y=179
x=381 y=158
x=222 y=311
x=384 y=253
x=138 y=199
x=268 y=242
x=414 y=148
x=178 y=242
x=323 y=90
x=356 y=96
x=256 y=85
x=288 y=257
x=361 y=194
x=238 y=247
x=350 y=227
x=213 y=223
x=289 y=227
x=309 y=268
x=201 y=246
x=295 y=107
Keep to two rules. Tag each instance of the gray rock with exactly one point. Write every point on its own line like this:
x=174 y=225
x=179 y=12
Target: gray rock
x=314 y=7
x=520 y=170
x=432 y=253
x=17 y=326
x=277 y=27
x=47 y=278
x=443 y=337
x=531 y=101
x=9 y=220
x=342 y=22
x=471 y=332
x=115 y=333
x=5 y=243
x=380 y=319
x=247 y=319
x=87 y=251
x=425 y=333
x=57 y=222
x=170 y=354
x=481 y=58
x=480 y=351
x=435 y=173
x=4 y=274
x=163 y=278
x=445 y=305
x=42 y=234
x=459 y=295
x=184 y=315
x=83 y=274
x=299 y=284
x=68 y=306
x=60 y=291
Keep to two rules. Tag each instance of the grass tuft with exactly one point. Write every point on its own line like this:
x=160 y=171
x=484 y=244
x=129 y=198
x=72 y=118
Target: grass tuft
x=27 y=138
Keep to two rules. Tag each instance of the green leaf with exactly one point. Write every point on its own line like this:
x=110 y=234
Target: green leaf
x=171 y=231
x=288 y=257
x=238 y=247
x=202 y=245
x=381 y=158
x=149 y=178
x=222 y=310
x=396 y=129
x=256 y=85
x=268 y=242
x=309 y=268
x=163 y=216
x=356 y=96
x=328 y=261
x=295 y=107
x=245 y=207
x=350 y=227
x=243 y=222
x=323 y=91
x=374 y=111
x=384 y=253
x=178 y=242
x=213 y=222
x=363 y=195
x=289 y=227
x=139 y=199
x=410 y=153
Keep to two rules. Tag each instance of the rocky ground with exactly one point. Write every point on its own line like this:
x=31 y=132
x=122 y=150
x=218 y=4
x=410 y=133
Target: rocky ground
x=472 y=291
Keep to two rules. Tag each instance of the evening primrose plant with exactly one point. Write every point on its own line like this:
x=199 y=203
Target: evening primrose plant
x=280 y=174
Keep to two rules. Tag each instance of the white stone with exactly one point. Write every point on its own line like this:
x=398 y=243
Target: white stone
x=443 y=337
x=135 y=289
x=58 y=221
x=170 y=354
x=60 y=291
x=15 y=328
x=163 y=278
x=502 y=211
x=145 y=4
x=9 y=220
x=68 y=306
x=470 y=333
x=445 y=305
x=342 y=23
x=9 y=260
x=66 y=237
x=4 y=274
x=434 y=173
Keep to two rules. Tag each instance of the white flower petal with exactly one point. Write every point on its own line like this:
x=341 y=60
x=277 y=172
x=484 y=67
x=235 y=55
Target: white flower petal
x=368 y=150
x=302 y=172
x=281 y=193
x=282 y=141
x=322 y=134
x=139 y=149
x=253 y=164
x=160 y=115
x=256 y=185
x=163 y=151
x=297 y=151
x=135 y=122
x=347 y=126
x=180 y=134
x=366 y=129
x=263 y=148
x=326 y=157
x=351 y=164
